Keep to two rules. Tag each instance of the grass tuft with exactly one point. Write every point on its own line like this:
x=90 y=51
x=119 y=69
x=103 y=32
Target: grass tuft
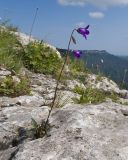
x=93 y=96
x=40 y=58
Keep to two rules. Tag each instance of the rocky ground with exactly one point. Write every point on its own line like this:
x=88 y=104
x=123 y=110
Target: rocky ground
x=94 y=132
x=77 y=132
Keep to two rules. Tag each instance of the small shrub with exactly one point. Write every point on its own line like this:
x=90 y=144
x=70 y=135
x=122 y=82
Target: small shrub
x=91 y=95
x=39 y=130
x=113 y=96
x=40 y=58
x=8 y=39
x=9 y=51
x=10 y=27
x=9 y=60
x=99 y=78
x=9 y=88
x=78 y=90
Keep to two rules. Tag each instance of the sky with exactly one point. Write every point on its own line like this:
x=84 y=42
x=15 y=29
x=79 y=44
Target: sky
x=108 y=20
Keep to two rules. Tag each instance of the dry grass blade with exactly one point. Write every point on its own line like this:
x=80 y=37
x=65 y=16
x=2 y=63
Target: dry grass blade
x=62 y=100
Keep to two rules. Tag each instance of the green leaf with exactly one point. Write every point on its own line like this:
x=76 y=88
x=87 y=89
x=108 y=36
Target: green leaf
x=34 y=123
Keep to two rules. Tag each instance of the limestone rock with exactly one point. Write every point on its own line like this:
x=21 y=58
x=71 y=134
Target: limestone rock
x=94 y=132
x=14 y=117
x=103 y=84
x=4 y=72
x=78 y=132
x=71 y=84
x=124 y=94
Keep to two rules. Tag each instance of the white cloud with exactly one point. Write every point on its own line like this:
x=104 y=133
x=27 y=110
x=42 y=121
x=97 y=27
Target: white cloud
x=101 y=3
x=72 y=2
x=97 y=15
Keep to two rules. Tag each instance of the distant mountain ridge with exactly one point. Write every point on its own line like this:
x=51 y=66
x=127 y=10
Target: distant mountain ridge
x=124 y=57
x=107 y=64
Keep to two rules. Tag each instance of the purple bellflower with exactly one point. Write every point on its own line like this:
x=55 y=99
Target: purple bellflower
x=83 y=31
x=77 y=54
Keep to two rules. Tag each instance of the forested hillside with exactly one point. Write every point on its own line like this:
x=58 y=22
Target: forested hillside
x=105 y=63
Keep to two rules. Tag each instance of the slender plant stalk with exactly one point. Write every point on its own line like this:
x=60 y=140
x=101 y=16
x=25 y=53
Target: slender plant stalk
x=125 y=71
x=33 y=24
x=58 y=80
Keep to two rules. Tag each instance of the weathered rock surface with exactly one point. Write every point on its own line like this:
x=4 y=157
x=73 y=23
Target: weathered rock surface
x=104 y=84
x=71 y=84
x=4 y=72
x=15 y=118
x=90 y=132
x=78 y=132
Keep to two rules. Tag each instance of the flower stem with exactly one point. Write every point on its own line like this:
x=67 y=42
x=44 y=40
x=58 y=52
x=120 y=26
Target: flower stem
x=58 y=80
x=33 y=24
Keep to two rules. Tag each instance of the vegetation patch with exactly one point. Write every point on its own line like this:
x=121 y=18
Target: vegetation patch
x=94 y=96
x=10 y=27
x=40 y=58
x=77 y=70
x=99 y=77
x=9 y=51
x=9 y=87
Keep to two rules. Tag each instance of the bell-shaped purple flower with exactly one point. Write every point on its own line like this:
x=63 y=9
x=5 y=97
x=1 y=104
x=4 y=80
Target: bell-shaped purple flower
x=77 y=54
x=83 y=31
